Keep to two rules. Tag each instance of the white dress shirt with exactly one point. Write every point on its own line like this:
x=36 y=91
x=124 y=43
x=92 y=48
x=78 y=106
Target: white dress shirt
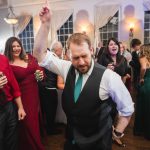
x=110 y=85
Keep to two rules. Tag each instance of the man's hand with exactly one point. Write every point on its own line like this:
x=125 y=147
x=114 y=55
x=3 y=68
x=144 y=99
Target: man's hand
x=41 y=39
x=3 y=80
x=45 y=15
x=116 y=137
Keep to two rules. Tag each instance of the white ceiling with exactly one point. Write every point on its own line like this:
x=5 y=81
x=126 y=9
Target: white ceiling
x=5 y=3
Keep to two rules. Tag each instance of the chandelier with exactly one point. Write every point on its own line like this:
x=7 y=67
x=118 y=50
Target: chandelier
x=11 y=17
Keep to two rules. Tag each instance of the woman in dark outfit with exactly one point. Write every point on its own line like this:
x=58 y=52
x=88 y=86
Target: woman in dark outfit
x=112 y=59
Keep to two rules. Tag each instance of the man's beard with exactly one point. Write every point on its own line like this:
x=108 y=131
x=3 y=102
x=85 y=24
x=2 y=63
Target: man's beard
x=87 y=69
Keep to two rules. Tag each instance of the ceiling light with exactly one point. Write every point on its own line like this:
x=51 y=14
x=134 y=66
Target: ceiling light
x=11 y=17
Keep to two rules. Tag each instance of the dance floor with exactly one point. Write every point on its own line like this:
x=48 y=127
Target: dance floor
x=55 y=142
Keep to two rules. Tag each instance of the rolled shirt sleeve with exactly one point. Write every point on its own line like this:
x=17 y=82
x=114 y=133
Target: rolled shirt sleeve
x=56 y=65
x=113 y=86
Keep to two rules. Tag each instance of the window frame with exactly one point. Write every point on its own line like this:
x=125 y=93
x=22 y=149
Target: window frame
x=110 y=29
x=27 y=37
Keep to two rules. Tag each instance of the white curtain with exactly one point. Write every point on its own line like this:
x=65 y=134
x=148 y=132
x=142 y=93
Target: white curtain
x=59 y=17
x=146 y=4
x=102 y=15
x=23 y=22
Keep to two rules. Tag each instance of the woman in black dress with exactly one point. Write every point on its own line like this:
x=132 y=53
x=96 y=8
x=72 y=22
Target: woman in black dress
x=112 y=59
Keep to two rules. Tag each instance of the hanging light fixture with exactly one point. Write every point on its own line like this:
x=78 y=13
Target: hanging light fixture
x=11 y=17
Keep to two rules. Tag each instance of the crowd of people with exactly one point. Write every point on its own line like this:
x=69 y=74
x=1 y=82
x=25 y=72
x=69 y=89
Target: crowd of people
x=96 y=91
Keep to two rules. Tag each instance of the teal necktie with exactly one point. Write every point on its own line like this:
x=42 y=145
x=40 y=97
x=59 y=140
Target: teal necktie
x=78 y=87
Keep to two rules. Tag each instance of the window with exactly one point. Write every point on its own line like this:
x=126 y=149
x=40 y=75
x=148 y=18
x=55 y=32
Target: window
x=147 y=27
x=27 y=37
x=110 y=29
x=65 y=30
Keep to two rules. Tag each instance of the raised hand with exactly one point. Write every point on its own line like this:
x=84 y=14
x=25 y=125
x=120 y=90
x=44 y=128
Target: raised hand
x=45 y=13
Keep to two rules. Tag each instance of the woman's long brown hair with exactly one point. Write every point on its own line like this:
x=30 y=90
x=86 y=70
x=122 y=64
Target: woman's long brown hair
x=9 y=49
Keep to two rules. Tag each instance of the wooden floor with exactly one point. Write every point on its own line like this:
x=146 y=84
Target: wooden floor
x=55 y=142
x=132 y=142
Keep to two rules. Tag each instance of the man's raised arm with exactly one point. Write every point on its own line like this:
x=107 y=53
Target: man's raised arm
x=41 y=39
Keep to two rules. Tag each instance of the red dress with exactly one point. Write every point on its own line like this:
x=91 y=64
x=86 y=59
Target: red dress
x=29 y=132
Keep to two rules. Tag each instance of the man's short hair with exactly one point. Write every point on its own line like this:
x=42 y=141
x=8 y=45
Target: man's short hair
x=135 y=42
x=78 y=38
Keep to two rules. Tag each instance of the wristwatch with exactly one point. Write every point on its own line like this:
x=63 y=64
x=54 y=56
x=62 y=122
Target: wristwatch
x=118 y=134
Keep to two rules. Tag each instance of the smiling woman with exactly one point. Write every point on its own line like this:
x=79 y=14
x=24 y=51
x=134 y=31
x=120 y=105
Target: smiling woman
x=112 y=59
x=24 y=66
x=16 y=49
x=16 y=46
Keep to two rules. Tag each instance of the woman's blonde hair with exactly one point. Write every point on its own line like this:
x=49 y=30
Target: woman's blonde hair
x=145 y=51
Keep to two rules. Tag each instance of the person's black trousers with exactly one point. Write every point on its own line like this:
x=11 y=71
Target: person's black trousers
x=49 y=102
x=8 y=127
x=105 y=143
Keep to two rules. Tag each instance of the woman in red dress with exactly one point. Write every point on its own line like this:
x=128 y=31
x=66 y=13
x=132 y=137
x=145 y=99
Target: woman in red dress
x=24 y=67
